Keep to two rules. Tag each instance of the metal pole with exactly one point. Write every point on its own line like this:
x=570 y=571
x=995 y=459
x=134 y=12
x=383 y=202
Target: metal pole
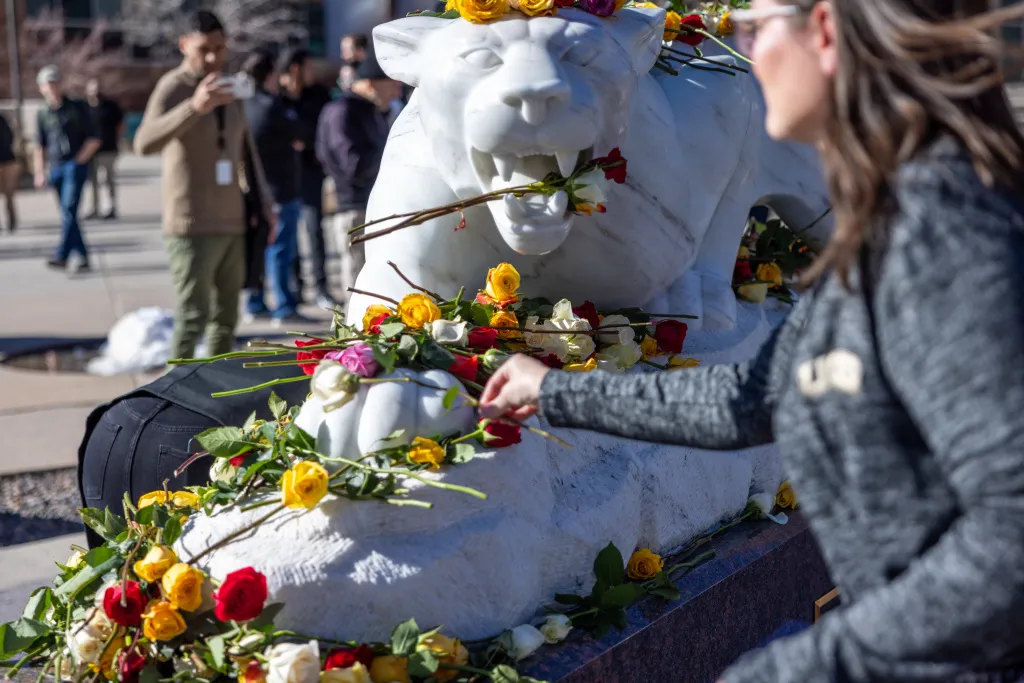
x=14 y=56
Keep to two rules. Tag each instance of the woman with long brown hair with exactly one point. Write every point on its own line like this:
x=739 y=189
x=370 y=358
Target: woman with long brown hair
x=895 y=389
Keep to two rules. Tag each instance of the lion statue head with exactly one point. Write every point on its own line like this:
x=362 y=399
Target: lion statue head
x=507 y=103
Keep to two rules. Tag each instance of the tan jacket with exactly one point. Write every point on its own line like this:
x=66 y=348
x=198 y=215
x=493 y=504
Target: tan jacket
x=193 y=203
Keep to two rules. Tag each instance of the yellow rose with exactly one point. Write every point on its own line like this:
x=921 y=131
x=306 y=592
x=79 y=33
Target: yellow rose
x=770 y=272
x=589 y=366
x=426 y=452
x=389 y=669
x=649 y=5
x=483 y=11
x=451 y=5
x=357 y=673
x=108 y=660
x=535 y=8
x=506 y=319
x=675 y=362
x=179 y=499
x=649 y=347
x=743 y=254
x=448 y=651
x=619 y=4
x=155 y=564
x=502 y=284
x=304 y=485
x=724 y=27
x=643 y=564
x=418 y=310
x=162 y=621
x=755 y=294
x=374 y=311
x=182 y=586
x=672 y=20
x=786 y=497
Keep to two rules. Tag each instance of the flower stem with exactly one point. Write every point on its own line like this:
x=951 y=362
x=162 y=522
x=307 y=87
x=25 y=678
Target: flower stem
x=278 y=363
x=654 y=365
x=223 y=356
x=409 y=282
x=412 y=502
x=375 y=296
x=716 y=39
x=232 y=536
x=700 y=559
x=304 y=636
x=412 y=475
x=265 y=385
x=261 y=504
x=467 y=669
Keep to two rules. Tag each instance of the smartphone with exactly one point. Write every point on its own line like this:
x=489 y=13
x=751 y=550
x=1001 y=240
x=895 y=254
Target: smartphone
x=240 y=85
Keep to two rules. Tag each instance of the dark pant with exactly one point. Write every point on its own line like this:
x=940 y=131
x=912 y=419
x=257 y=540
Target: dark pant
x=312 y=218
x=281 y=257
x=68 y=179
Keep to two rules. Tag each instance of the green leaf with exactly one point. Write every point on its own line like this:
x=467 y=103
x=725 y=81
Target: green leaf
x=397 y=434
x=461 y=453
x=386 y=358
x=216 y=645
x=278 y=406
x=225 y=442
x=407 y=349
x=94 y=519
x=88 y=575
x=503 y=673
x=172 y=531
x=114 y=524
x=19 y=635
x=98 y=556
x=389 y=330
x=145 y=515
x=38 y=604
x=568 y=599
x=450 y=396
x=623 y=595
x=404 y=638
x=423 y=664
x=609 y=568
x=450 y=14
x=249 y=421
x=666 y=593
x=480 y=315
x=300 y=438
x=150 y=674
x=433 y=355
x=267 y=616
x=618 y=619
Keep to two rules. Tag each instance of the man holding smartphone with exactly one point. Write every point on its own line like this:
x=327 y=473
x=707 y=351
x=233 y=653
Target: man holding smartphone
x=194 y=120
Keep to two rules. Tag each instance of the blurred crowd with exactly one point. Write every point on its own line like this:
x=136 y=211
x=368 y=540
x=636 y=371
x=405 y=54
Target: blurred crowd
x=245 y=158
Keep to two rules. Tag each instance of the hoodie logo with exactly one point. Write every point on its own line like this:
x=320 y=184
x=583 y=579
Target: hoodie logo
x=839 y=370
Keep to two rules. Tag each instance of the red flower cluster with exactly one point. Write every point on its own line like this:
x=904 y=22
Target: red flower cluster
x=552 y=361
x=239 y=459
x=376 y=322
x=312 y=357
x=465 y=367
x=482 y=338
x=502 y=434
x=617 y=163
x=129 y=613
x=130 y=665
x=241 y=596
x=346 y=657
x=588 y=311
x=742 y=272
x=670 y=335
x=693 y=39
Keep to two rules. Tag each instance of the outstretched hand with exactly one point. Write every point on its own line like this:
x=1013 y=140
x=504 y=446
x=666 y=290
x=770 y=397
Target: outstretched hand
x=514 y=390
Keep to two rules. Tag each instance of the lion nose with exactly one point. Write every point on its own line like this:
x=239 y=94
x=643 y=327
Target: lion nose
x=533 y=100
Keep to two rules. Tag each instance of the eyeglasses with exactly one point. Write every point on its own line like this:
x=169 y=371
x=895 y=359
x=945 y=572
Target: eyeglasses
x=749 y=21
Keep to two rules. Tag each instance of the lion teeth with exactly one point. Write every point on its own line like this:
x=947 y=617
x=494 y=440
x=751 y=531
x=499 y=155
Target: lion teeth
x=506 y=165
x=558 y=204
x=566 y=162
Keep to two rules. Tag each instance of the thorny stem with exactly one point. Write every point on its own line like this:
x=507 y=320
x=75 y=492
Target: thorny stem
x=442 y=210
x=232 y=536
x=375 y=296
x=409 y=282
x=223 y=356
x=265 y=385
x=405 y=473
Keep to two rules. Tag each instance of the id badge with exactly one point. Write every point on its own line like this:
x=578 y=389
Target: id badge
x=224 y=172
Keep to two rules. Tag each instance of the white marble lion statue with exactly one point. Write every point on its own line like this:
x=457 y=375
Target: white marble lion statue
x=496 y=105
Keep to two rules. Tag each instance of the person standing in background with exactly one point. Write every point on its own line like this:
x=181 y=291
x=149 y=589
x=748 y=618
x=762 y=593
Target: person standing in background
x=350 y=143
x=10 y=170
x=193 y=120
x=68 y=139
x=276 y=131
x=353 y=52
x=309 y=98
x=109 y=121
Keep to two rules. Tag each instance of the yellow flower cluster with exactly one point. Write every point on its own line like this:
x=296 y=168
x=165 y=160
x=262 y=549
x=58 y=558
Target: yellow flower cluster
x=178 y=499
x=486 y=11
x=417 y=311
x=506 y=319
x=304 y=485
x=644 y=564
x=426 y=452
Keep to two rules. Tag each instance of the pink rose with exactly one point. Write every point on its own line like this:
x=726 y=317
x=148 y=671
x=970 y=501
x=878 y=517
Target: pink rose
x=358 y=359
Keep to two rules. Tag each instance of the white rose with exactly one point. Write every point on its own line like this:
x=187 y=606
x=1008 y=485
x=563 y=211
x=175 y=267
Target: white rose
x=620 y=332
x=333 y=384
x=86 y=643
x=556 y=628
x=580 y=346
x=294 y=663
x=595 y=190
x=357 y=673
x=765 y=503
x=607 y=363
x=453 y=332
x=624 y=356
x=549 y=343
x=223 y=471
x=562 y=313
x=76 y=559
x=525 y=641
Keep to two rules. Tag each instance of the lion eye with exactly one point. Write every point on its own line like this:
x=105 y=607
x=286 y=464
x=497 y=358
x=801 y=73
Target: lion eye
x=581 y=55
x=482 y=58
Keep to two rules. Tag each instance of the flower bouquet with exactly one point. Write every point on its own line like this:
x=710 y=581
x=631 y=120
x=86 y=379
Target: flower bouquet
x=770 y=257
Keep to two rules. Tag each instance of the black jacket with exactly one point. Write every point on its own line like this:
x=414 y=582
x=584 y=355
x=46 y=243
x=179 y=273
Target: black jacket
x=6 y=141
x=309 y=106
x=350 y=144
x=275 y=128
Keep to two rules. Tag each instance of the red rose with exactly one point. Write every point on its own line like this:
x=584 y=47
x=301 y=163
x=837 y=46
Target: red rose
x=482 y=338
x=564 y=3
x=502 y=434
x=551 y=360
x=693 y=39
x=670 y=335
x=241 y=595
x=376 y=322
x=465 y=367
x=253 y=673
x=742 y=272
x=130 y=613
x=238 y=459
x=130 y=665
x=314 y=356
x=346 y=657
x=616 y=173
x=588 y=311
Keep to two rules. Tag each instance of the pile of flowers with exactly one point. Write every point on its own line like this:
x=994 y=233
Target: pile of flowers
x=487 y=11
x=770 y=257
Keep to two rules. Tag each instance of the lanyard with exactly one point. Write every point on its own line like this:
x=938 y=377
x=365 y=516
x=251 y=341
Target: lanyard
x=221 y=144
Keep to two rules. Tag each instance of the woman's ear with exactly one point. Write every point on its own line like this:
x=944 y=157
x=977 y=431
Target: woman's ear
x=823 y=26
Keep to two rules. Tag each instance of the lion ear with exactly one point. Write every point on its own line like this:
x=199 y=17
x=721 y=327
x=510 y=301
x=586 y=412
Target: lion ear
x=639 y=30
x=397 y=45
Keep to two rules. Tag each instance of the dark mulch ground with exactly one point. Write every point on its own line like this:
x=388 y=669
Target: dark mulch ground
x=38 y=505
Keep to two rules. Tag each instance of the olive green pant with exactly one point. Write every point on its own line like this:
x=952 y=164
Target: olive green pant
x=208 y=273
